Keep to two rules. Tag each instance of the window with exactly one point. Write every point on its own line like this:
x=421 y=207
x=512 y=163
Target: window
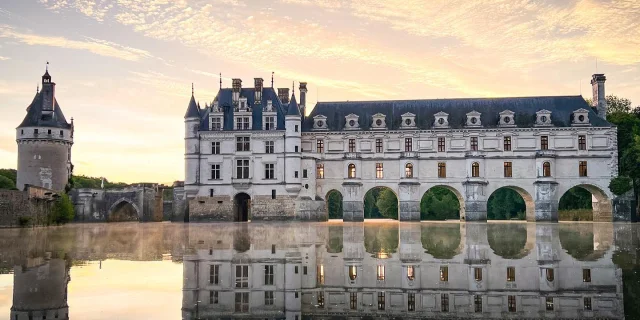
x=242 y=169
x=587 y=303
x=549 y=303
x=214 y=274
x=304 y=269
x=242 y=301
x=411 y=273
x=441 y=144
x=320 y=171
x=380 y=273
x=268 y=275
x=546 y=169
x=320 y=146
x=550 y=274
x=582 y=169
x=320 y=274
x=295 y=269
x=411 y=302
x=268 y=298
x=353 y=273
x=215 y=147
x=586 y=275
x=211 y=193
x=215 y=172
x=49 y=131
x=582 y=143
x=475 y=170
x=381 y=303
x=296 y=128
x=320 y=299
x=61 y=133
x=296 y=149
x=474 y=143
x=242 y=123
x=295 y=174
x=304 y=173
x=269 y=123
x=477 y=303
x=444 y=273
x=379 y=145
x=408 y=144
x=243 y=144
x=507 y=143
x=444 y=302
x=352 y=145
x=353 y=300
x=269 y=146
x=216 y=123
x=35 y=131
x=352 y=171
x=273 y=196
x=511 y=303
x=544 y=142
x=442 y=170
x=408 y=170
x=242 y=276
x=213 y=297
x=508 y=171
x=477 y=274
x=511 y=274
x=379 y=171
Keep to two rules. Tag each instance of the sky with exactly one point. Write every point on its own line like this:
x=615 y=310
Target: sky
x=124 y=68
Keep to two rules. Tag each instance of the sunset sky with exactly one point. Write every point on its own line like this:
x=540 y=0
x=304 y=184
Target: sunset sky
x=124 y=68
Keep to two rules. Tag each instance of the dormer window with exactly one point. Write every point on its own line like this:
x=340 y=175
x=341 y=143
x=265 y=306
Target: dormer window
x=408 y=121
x=507 y=119
x=441 y=120
x=243 y=105
x=543 y=118
x=243 y=123
x=269 y=106
x=379 y=121
x=216 y=123
x=580 y=118
x=352 y=122
x=473 y=119
x=320 y=122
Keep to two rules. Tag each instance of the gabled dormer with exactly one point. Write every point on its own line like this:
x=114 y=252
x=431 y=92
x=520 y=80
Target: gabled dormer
x=543 y=118
x=269 y=116
x=351 y=122
x=507 y=119
x=243 y=105
x=216 y=117
x=320 y=123
x=378 y=121
x=473 y=119
x=242 y=117
x=441 y=120
x=408 y=121
x=580 y=118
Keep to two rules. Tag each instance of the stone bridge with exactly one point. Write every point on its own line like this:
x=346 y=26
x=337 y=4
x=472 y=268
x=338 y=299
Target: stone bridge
x=141 y=202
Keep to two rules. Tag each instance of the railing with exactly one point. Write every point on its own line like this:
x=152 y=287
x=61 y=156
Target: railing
x=352 y=155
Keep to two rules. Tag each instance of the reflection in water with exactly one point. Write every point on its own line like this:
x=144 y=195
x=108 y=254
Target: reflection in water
x=329 y=270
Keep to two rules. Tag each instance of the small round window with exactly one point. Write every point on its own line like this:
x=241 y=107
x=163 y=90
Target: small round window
x=319 y=123
x=474 y=120
x=378 y=122
x=352 y=123
x=408 y=122
x=543 y=118
x=441 y=121
x=507 y=119
x=581 y=118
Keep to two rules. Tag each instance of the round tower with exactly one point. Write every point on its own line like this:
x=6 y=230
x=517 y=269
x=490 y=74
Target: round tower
x=192 y=147
x=293 y=145
x=44 y=142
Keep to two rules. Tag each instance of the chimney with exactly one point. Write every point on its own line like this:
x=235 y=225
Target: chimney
x=48 y=93
x=258 y=86
x=303 y=98
x=599 y=101
x=283 y=95
x=236 y=86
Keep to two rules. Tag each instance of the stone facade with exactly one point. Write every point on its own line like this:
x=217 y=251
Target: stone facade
x=136 y=203
x=29 y=207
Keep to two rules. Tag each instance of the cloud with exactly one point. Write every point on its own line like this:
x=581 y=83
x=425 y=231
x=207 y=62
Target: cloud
x=4 y=58
x=96 y=46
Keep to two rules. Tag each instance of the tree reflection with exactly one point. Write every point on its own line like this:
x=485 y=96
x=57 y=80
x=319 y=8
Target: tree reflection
x=335 y=239
x=578 y=243
x=441 y=240
x=508 y=240
x=381 y=240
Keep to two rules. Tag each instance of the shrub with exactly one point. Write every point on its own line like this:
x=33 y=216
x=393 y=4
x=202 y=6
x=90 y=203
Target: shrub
x=62 y=211
x=24 y=221
x=620 y=185
x=6 y=183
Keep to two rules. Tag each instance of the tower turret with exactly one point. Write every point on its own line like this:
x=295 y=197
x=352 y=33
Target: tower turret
x=192 y=145
x=293 y=153
x=599 y=100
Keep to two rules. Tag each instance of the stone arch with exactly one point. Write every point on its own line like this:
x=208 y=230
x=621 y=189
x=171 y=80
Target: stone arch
x=456 y=193
x=530 y=207
x=123 y=209
x=335 y=210
x=601 y=201
x=380 y=189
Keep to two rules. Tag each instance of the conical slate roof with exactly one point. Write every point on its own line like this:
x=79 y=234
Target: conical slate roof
x=293 y=107
x=35 y=117
x=192 y=110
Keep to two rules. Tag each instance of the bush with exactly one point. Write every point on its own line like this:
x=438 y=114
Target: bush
x=24 y=221
x=62 y=210
x=620 y=185
x=6 y=183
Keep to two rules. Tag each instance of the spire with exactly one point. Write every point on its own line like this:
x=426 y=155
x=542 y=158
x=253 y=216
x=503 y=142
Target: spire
x=37 y=88
x=293 y=107
x=46 y=78
x=293 y=87
x=271 y=79
x=220 y=80
x=193 y=110
x=192 y=91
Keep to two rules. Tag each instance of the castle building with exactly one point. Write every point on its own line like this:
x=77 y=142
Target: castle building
x=44 y=142
x=254 y=154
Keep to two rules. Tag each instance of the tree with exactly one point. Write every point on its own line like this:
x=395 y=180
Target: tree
x=334 y=204
x=618 y=105
x=439 y=203
x=10 y=173
x=6 y=183
x=387 y=204
x=62 y=211
x=505 y=204
x=575 y=198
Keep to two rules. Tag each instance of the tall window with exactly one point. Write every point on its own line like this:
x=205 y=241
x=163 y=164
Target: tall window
x=444 y=302
x=408 y=144
x=511 y=274
x=586 y=275
x=544 y=142
x=444 y=273
x=477 y=303
x=320 y=171
x=216 y=123
x=353 y=300
x=213 y=297
x=320 y=146
x=477 y=274
x=442 y=170
x=269 y=123
x=380 y=272
x=269 y=146
x=550 y=274
x=411 y=273
x=242 y=276
x=546 y=169
x=215 y=147
x=353 y=273
x=582 y=168
x=474 y=143
x=268 y=298
x=408 y=170
x=507 y=143
x=475 y=170
x=379 y=171
x=511 y=303
x=242 y=302
x=549 y=303
x=582 y=143
x=441 y=144
x=352 y=145
x=352 y=171
x=242 y=169
x=320 y=274
x=242 y=123
x=587 y=303
x=508 y=171
x=411 y=302
x=320 y=299
x=243 y=144
x=379 y=145
x=215 y=172
x=268 y=275
x=381 y=303
x=214 y=274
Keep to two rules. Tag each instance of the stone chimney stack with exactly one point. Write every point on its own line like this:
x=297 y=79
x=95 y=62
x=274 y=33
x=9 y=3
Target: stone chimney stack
x=236 y=86
x=303 y=98
x=48 y=94
x=283 y=94
x=258 y=82
x=599 y=101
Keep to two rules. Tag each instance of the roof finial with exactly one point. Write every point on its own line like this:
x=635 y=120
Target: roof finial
x=271 y=79
x=220 y=80
x=46 y=68
x=192 y=89
x=293 y=87
x=37 y=88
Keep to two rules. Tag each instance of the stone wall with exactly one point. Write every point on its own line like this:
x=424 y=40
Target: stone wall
x=264 y=208
x=216 y=208
x=31 y=206
x=95 y=205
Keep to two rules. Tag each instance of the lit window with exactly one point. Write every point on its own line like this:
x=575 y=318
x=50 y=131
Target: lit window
x=442 y=170
x=411 y=273
x=379 y=171
x=511 y=274
x=380 y=273
x=444 y=273
x=320 y=274
x=408 y=170
x=508 y=171
x=352 y=171
x=320 y=171
x=582 y=168
x=475 y=170
x=550 y=274
x=320 y=146
x=477 y=273
x=546 y=169
x=353 y=273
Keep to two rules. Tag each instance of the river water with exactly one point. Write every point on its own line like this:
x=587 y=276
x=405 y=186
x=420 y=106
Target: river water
x=331 y=270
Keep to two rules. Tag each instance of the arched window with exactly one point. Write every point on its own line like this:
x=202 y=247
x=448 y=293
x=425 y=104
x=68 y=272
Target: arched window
x=546 y=169
x=353 y=273
x=352 y=170
x=475 y=170
x=408 y=170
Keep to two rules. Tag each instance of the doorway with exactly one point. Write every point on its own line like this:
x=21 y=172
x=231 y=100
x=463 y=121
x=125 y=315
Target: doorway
x=241 y=205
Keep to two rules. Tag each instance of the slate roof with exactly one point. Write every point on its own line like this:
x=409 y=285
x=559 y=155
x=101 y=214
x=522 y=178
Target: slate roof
x=193 y=111
x=293 y=107
x=35 y=118
x=525 y=108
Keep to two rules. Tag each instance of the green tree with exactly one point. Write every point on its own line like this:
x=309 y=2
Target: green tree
x=387 y=204
x=62 y=210
x=505 y=204
x=574 y=199
x=93 y=182
x=439 y=203
x=334 y=204
x=6 y=183
x=10 y=173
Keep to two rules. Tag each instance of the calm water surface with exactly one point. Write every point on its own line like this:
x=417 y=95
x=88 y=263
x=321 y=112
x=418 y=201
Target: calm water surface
x=321 y=271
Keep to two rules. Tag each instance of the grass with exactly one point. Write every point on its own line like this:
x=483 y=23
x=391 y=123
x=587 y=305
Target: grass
x=575 y=215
